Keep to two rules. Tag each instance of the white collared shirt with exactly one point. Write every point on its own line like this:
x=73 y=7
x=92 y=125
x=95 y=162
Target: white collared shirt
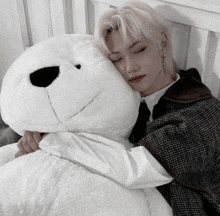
x=152 y=100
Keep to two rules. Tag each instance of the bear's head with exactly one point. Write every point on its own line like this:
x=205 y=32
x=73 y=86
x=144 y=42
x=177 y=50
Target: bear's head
x=66 y=84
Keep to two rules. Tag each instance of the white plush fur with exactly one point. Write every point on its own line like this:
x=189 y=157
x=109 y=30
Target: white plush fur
x=94 y=99
x=80 y=105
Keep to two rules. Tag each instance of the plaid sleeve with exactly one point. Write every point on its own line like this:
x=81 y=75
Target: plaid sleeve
x=187 y=144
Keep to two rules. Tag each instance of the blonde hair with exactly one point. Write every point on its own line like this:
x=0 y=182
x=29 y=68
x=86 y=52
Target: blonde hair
x=136 y=18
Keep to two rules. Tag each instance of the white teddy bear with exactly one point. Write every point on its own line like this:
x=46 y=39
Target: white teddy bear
x=64 y=86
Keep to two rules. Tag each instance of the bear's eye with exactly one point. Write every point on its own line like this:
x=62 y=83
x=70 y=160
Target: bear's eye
x=78 y=66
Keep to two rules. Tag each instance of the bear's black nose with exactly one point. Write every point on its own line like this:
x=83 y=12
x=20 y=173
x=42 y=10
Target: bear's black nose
x=44 y=76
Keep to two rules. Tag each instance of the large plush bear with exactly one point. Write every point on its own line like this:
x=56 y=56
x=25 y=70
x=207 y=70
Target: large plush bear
x=65 y=86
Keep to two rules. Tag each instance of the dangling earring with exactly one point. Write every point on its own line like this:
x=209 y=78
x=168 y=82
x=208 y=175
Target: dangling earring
x=164 y=63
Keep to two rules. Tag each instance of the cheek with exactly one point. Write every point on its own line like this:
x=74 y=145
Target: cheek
x=124 y=75
x=119 y=68
x=153 y=64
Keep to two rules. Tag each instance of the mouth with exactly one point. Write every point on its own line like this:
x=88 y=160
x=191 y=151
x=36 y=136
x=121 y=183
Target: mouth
x=136 y=79
x=85 y=106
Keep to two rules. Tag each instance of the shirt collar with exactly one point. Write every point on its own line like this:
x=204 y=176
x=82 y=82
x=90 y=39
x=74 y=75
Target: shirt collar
x=152 y=100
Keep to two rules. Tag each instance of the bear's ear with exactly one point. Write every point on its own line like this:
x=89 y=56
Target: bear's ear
x=44 y=76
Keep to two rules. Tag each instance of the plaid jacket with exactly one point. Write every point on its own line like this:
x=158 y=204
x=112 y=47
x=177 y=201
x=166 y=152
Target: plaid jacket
x=185 y=138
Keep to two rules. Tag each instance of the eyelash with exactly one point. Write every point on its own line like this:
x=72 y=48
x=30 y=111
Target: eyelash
x=141 y=50
x=117 y=60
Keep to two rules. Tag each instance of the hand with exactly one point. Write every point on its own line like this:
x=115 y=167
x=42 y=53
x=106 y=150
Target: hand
x=20 y=153
x=28 y=143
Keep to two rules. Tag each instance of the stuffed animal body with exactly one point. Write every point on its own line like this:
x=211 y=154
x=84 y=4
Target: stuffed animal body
x=43 y=184
x=65 y=86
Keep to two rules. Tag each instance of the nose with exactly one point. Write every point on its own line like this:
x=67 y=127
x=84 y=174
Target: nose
x=130 y=66
x=44 y=76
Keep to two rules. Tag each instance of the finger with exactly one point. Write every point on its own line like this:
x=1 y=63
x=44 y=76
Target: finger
x=19 y=144
x=19 y=153
x=37 y=138
x=44 y=135
x=28 y=142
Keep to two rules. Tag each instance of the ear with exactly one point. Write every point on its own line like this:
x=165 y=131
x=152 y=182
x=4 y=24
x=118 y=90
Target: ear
x=163 y=42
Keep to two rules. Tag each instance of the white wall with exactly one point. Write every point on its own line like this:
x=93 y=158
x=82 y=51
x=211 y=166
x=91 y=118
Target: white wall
x=26 y=22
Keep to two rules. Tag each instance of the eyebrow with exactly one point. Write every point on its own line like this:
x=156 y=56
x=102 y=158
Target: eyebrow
x=128 y=47
x=134 y=44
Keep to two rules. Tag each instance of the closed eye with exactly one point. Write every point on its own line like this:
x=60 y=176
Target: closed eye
x=115 y=57
x=141 y=50
x=114 y=61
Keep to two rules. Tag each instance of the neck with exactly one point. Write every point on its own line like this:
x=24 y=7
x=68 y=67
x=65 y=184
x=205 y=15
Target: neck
x=161 y=82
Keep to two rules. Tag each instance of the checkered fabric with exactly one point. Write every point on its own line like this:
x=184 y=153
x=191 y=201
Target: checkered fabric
x=185 y=138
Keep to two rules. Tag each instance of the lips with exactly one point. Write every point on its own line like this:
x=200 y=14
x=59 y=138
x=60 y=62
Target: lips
x=136 y=79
